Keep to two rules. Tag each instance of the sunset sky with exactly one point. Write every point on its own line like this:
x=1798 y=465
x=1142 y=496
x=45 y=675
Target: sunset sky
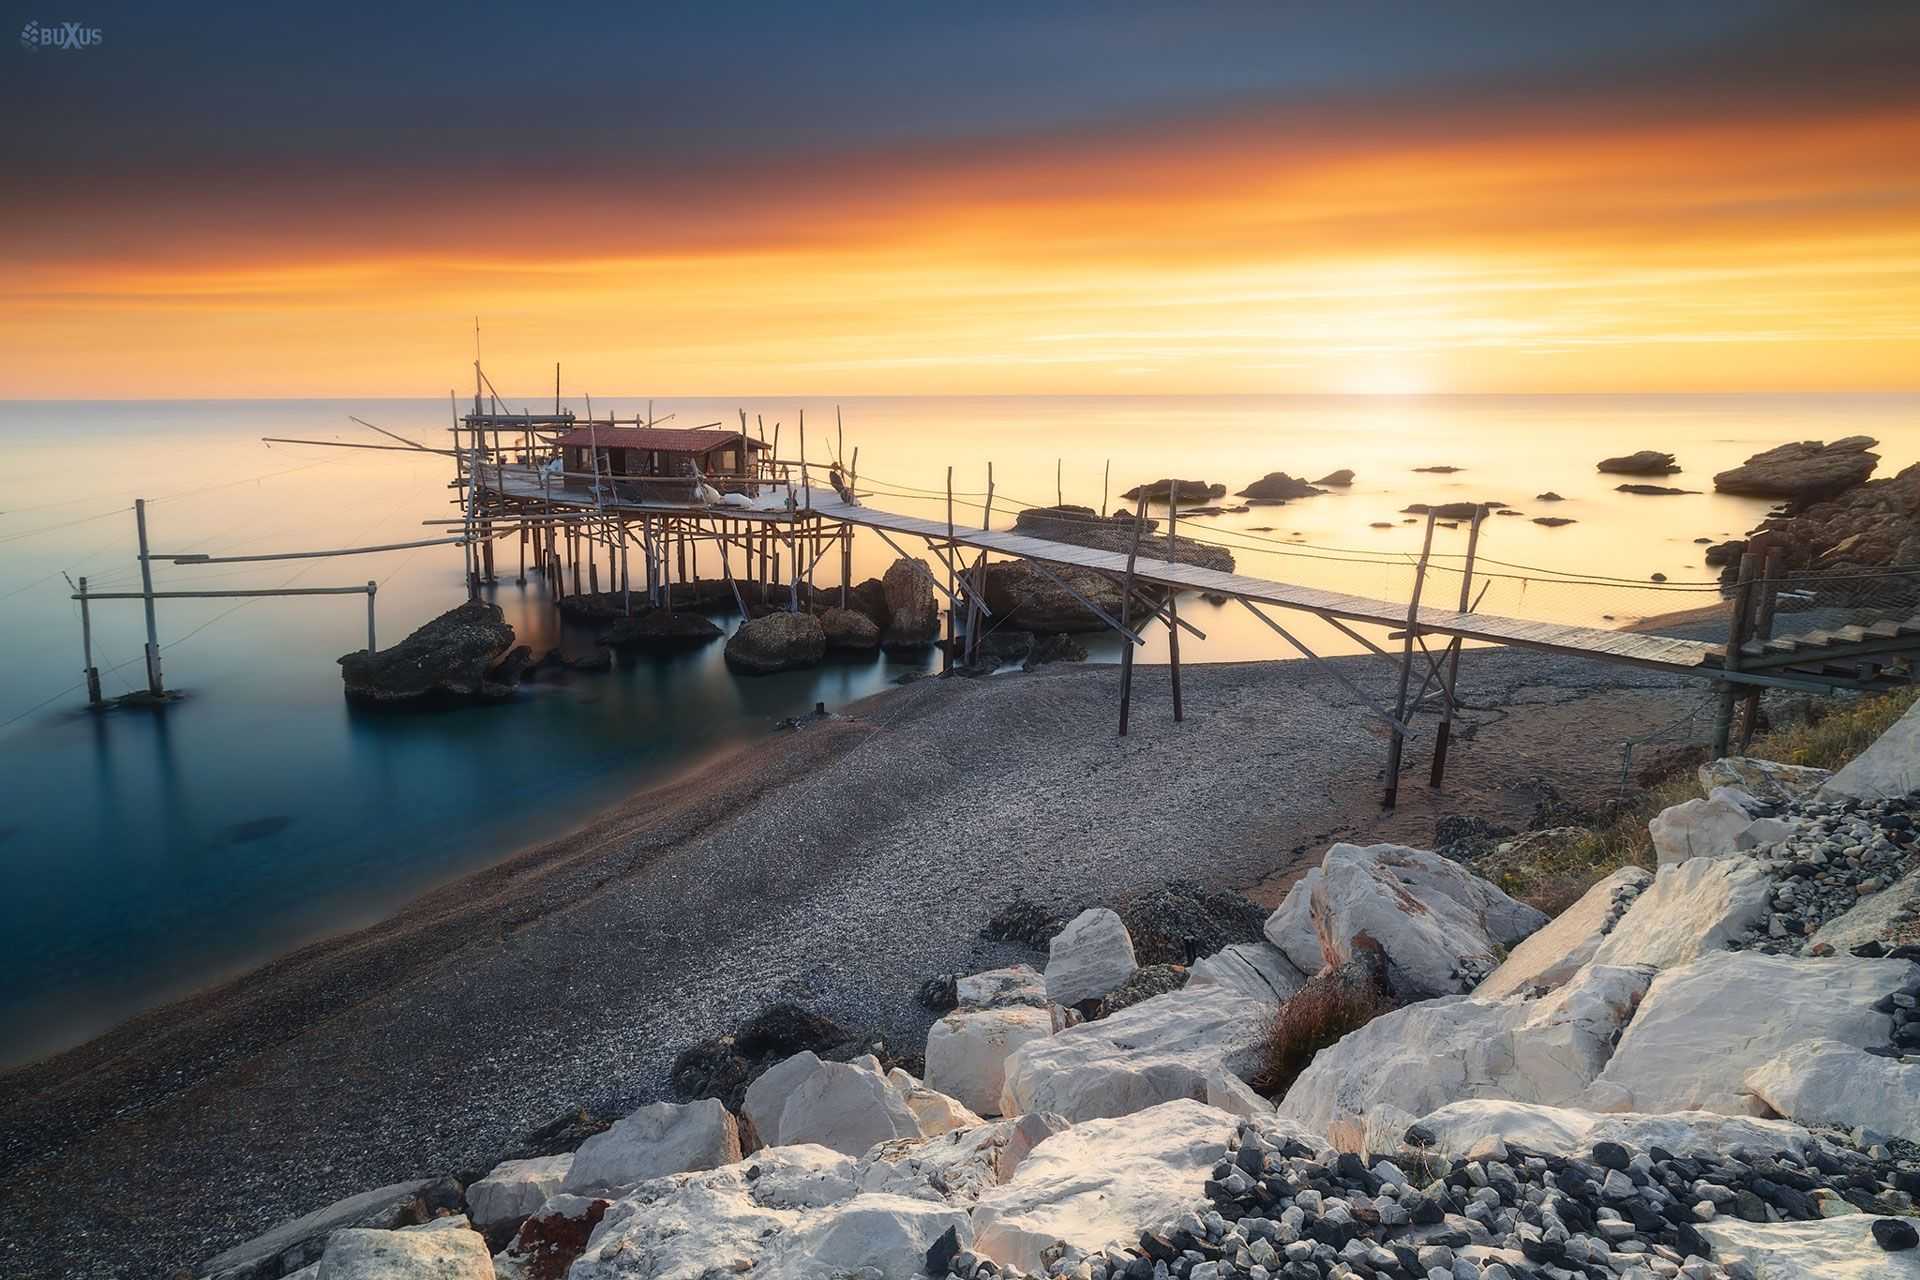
x=247 y=200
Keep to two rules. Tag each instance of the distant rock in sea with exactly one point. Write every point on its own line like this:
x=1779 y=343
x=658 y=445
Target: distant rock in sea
x=1647 y=462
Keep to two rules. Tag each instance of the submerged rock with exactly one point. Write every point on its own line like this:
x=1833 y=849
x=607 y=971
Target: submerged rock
x=776 y=642
x=1024 y=598
x=1652 y=490
x=847 y=629
x=657 y=630
x=1806 y=470
x=452 y=658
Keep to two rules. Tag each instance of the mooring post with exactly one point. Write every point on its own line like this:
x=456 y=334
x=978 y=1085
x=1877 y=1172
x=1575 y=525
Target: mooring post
x=846 y=563
x=1763 y=609
x=1453 y=659
x=1173 y=606
x=946 y=656
x=1399 y=740
x=522 y=579
x=1126 y=611
x=86 y=648
x=154 y=686
x=1736 y=637
x=371 y=588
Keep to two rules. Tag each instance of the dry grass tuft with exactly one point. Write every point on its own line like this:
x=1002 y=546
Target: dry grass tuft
x=1312 y=1019
x=1827 y=739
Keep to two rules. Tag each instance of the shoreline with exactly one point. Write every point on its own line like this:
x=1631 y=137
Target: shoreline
x=821 y=873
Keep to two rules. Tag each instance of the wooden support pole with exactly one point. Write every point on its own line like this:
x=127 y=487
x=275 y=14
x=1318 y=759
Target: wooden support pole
x=522 y=579
x=1445 y=732
x=1736 y=637
x=1126 y=614
x=1173 y=604
x=1106 y=479
x=154 y=685
x=1769 y=598
x=846 y=563
x=372 y=644
x=1059 y=491
x=86 y=649
x=1398 y=743
x=946 y=654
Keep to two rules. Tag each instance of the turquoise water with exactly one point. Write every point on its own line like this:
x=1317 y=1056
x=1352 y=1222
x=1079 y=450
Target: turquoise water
x=148 y=853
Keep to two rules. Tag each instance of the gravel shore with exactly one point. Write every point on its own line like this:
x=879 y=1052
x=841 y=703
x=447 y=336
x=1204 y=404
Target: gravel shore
x=838 y=865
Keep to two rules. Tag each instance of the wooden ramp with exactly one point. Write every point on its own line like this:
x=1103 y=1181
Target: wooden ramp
x=1658 y=652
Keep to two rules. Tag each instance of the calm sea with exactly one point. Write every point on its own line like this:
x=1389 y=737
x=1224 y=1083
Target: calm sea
x=147 y=854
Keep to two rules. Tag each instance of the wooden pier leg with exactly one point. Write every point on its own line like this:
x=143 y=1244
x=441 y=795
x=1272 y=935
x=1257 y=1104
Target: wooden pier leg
x=1736 y=637
x=1126 y=615
x=1445 y=732
x=1399 y=742
x=946 y=655
x=846 y=563
x=486 y=552
x=1768 y=593
x=86 y=649
x=1173 y=606
x=522 y=579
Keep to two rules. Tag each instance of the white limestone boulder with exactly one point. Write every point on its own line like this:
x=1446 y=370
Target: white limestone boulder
x=1553 y=954
x=658 y=1139
x=1888 y=768
x=1704 y=1025
x=967 y=1050
x=874 y=1235
x=1840 y=1248
x=1424 y=1056
x=1709 y=827
x=1691 y=909
x=1099 y=1183
x=1438 y=925
x=1089 y=958
x=955 y=1167
x=515 y=1188
x=1567 y=1131
x=766 y=1097
x=1231 y=1094
x=1872 y=918
x=1767 y=780
x=934 y=1111
x=1826 y=1083
x=846 y=1108
x=362 y=1253
x=300 y=1242
x=1019 y=984
x=1257 y=969
x=1152 y=1052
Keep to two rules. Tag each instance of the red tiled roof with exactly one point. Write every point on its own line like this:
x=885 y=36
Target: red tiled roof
x=666 y=439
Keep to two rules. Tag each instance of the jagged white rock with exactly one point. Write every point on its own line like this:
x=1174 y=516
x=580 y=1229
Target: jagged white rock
x=1691 y=908
x=1098 y=1183
x=1153 y=1052
x=299 y=1242
x=1014 y=985
x=846 y=1108
x=1423 y=1056
x=1089 y=958
x=1437 y=924
x=1766 y=780
x=766 y=1097
x=1885 y=770
x=660 y=1138
x=1840 y=1248
x=515 y=1188
x=955 y=1167
x=1230 y=1093
x=1257 y=969
x=1704 y=1025
x=1824 y=1082
x=1551 y=956
x=1567 y=1131
x=873 y=1234
x=363 y=1253
x=967 y=1050
x=1871 y=917
x=1709 y=827
x=935 y=1112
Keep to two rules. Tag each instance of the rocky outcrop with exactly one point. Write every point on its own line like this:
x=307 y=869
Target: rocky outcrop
x=657 y=631
x=1553 y=955
x=1256 y=969
x=1838 y=1248
x=961 y=1165
x=1024 y=598
x=1765 y=780
x=913 y=617
x=1190 y=490
x=1460 y=1127
x=299 y=1243
x=1089 y=958
x=1647 y=462
x=1099 y=1183
x=1438 y=926
x=1889 y=768
x=358 y=1253
x=1279 y=486
x=1337 y=479
x=1704 y=1025
x=515 y=1189
x=450 y=659
x=1710 y=827
x=776 y=642
x=1691 y=909
x=845 y=1107
x=1080 y=525
x=1871 y=526
x=766 y=1098
x=658 y=1139
x=850 y=630
x=1806 y=471
x=967 y=1050
x=1826 y=1084
x=1426 y=1055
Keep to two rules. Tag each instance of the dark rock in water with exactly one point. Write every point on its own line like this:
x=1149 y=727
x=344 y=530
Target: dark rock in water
x=448 y=659
x=1024 y=598
x=1728 y=552
x=1658 y=577
x=1438 y=471
x=870 y=598
x=1509 y=511
x=1647 y=462
x=1450 y=510
x=1278 y=484
x=913 y=616
x=1894 y=1234
x=1069 y=523
x=1870 y=526
x=506 y=674
x=1381 y=524
x=1058 y=648
x=1192 y=490
x=1164 y=920
x=1338 y=479
x=657 y=630
x=849 y=629
x=1552 y=522
x=1806 y=471
x=777 y=642
x=1652 y=490
x=1548 y=496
